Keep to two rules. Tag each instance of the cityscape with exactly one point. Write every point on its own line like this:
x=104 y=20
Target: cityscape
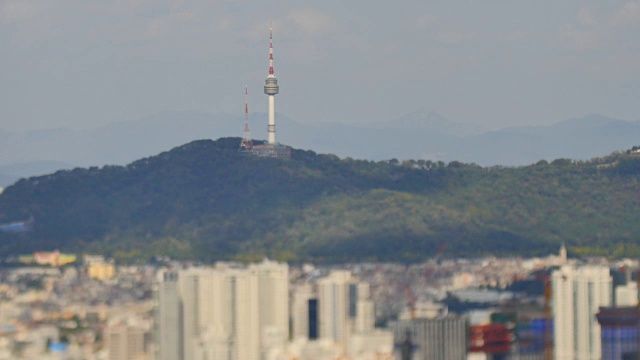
x=487 y=308
x=238 y=248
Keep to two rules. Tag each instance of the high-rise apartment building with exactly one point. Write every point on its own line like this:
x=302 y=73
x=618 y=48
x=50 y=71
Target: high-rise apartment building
x=333 y=301
x=273 y=305
x=365 y=311
x=578 y=292
x=236 y=313
x=344 y=307
x=169 y=317
x=189 y=286
x=301 y=308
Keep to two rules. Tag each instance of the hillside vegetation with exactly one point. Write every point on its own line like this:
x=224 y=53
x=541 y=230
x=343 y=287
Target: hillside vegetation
x=205 y=201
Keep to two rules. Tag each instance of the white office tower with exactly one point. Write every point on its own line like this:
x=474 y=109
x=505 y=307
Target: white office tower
x=273 y=292
x=333 y=301
x=578 y=292
x=365 y=312
x=345 y=309
x=300 y=311
x=169 y=317
x=188 y=283
x=243 y=306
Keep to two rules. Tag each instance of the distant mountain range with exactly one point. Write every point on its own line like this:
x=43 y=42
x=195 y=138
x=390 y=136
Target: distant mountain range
x=418 y=135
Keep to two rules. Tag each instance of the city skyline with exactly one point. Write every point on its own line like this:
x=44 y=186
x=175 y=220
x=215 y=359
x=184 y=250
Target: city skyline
x=84 y=65
x=168 y=309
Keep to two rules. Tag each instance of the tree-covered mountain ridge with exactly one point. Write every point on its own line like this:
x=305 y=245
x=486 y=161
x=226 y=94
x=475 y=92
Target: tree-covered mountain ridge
x=206 y=201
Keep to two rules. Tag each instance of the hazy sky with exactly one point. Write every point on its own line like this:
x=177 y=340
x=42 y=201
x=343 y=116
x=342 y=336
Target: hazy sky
x=83 y=63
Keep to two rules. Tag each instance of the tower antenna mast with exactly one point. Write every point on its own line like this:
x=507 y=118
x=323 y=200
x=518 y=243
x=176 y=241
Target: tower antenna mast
x=271 y=70
x=247 y=143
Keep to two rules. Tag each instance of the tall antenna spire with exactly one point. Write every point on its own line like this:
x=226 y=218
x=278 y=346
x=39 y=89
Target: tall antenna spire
x=246 y=107
x=247 y=143
x=271 y=88
x=271 y=70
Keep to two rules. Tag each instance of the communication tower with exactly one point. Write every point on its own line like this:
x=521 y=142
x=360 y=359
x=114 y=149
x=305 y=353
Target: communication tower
x=247 y=144
x=271 y=88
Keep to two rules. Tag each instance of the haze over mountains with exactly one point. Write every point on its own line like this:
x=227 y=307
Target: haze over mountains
x=418 y=135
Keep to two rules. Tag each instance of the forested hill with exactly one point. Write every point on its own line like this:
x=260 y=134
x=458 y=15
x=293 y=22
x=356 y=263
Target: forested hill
x=205 y=201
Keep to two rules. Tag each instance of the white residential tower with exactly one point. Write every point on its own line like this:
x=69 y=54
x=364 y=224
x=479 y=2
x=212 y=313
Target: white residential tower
x=578 y=292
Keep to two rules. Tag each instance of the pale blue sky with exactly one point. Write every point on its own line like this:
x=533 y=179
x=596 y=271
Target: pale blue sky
x=83 y=63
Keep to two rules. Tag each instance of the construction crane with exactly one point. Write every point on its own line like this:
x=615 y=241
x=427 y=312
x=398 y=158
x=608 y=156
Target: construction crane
x=428 y=273
x=441 y=248
x=412 y=302
x=430 y=269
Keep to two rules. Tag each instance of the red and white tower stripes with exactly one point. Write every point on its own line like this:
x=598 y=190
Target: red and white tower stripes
x=271 y=70
x=247 y=143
